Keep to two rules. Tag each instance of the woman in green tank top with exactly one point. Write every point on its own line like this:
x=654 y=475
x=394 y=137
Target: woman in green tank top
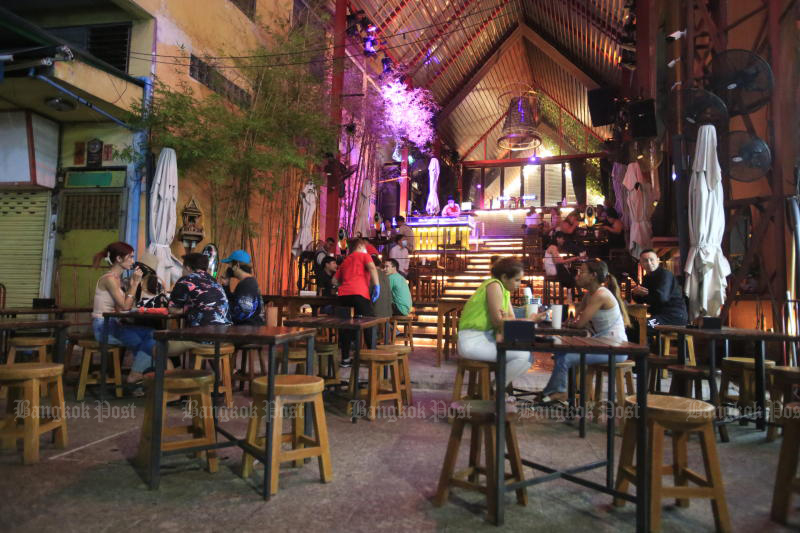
x=483 y=317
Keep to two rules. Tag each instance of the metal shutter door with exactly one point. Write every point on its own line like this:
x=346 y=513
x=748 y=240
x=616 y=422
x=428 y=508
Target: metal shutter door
x=23 y=221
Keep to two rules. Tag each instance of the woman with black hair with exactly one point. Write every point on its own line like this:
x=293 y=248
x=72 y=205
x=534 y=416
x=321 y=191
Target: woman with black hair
x=483 y=315
x=603 y=312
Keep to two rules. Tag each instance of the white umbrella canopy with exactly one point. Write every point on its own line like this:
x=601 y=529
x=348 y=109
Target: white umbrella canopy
x=163 y=216
x=706 y=266
x=308 y=199
x=362 y=208
x=432 y=205
x=638 y=199
x=620 y=193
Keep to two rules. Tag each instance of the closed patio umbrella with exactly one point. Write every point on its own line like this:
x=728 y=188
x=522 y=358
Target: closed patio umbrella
x=362 y=208
x=432 y=205
x=639 y=202
x=163 y=216
x=308 y=199
x=706 y=266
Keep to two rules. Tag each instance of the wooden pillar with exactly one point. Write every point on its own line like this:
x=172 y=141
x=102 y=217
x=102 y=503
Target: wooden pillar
x=483 y=187
x=332 y=200
x=502 y=186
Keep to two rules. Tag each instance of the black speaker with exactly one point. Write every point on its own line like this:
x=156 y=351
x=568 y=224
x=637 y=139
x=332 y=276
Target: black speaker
x=643 y=119
x=602 y=107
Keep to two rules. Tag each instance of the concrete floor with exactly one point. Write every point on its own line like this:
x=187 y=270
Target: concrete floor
x=385 y=474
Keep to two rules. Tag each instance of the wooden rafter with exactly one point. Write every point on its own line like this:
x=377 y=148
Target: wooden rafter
x=558 y=57
x=435 y=39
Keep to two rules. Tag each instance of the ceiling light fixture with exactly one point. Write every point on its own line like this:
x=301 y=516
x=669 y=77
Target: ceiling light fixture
x=60 y=104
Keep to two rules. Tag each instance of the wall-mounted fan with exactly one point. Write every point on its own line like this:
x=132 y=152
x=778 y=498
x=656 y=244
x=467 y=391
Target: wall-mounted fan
x=743 y=80
x=702 y=107
x=749 y=157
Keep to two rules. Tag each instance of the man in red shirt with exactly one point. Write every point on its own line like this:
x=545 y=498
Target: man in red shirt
x=354 y=276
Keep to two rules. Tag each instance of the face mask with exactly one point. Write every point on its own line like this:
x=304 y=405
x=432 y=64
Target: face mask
x=404 y=242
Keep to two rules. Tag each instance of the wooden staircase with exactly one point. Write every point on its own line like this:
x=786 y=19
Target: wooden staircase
x=461 y=285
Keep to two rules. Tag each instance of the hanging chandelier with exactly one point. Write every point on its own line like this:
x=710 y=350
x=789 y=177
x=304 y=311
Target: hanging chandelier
x=519 y=130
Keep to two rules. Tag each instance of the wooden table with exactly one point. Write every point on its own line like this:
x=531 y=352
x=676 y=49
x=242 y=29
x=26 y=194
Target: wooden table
x=582 y=346
x=293 y=303
x=58 y=312
x=60 y=326
x=354 y=324
x=446 y=312
x=725 y=335
x=133 y=315
x=269 y=336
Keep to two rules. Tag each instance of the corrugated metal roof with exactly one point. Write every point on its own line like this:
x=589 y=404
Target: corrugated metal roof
x=443 y=43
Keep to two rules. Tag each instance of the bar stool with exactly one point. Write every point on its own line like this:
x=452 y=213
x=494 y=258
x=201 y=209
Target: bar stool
x=24 y=381
x=407 y=321
x=480 y=416
x=297 y=357
x=682 y=417
x=404 y=368
x=623 y=381
x=29 y=344
x=554 y=292
x=783 y=379
x=740 y=371
x=478 y=380
x=72 y=342
x=658 y=365
x=90 y=348
x=666 y=346
x=197 y=385
x=289 y=390
x=376 y=361
x=327 y=366
x=786 y=478
x=207 y=353
x=246 y=373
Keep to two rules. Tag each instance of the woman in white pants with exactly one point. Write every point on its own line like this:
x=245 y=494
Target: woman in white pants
x=483 y=317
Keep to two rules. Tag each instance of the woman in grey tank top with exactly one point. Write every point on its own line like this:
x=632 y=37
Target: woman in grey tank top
x=603 y=312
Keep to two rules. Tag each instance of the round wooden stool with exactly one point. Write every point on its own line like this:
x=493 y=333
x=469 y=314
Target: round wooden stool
x=90 y=348
x=782 y=381
x=656 y=366
x=666 y=344
x=786 y=478
x=246 y=373
x=407 y=322
x=290 y=390
x=403 y=352
x=29 y=344
x=197 y=385
x=72 y=342
x=682 y=417
x=297 y=357
x=478 y=380
x=375 y=361
x=623 y=381
x=480 y=416
x=327 y=366
x=207 y=353
x=29 y=419
x=741 y=372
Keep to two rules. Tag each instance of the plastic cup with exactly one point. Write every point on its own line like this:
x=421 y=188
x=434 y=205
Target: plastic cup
x=531 y=309
x=558 y=311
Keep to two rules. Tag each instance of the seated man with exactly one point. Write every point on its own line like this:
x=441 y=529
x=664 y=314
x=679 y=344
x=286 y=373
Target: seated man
x=244 y=303
x=401 y=294
x=400 y=253
x=325 y=279
x=661 y=292
x=200 y=297
x=452 y=209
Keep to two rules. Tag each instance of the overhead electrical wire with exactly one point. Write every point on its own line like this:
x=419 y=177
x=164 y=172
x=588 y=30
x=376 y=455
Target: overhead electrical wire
x=313 y=50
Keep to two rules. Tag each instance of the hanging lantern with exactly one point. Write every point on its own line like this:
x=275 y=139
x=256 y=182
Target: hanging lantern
x=522 y=118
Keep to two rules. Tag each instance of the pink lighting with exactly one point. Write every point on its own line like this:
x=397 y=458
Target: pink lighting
x=409 y=112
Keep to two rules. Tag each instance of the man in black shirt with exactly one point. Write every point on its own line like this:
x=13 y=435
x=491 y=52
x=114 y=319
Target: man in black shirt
x=325 y=278
x=246 y=305
x=661 y=292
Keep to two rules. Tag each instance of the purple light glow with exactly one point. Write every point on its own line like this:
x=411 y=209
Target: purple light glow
x=478 y=186
x=533 y=158
x=409 y=112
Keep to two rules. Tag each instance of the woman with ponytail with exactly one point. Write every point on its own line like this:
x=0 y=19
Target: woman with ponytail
x=603 y=312
x=111 y=295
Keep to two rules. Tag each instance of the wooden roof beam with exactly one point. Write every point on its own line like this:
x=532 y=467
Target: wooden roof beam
x=556 y=55
x=435 y=39
x=484 y=66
